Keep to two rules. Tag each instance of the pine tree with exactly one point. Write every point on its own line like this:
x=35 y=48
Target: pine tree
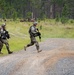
x=65 y=14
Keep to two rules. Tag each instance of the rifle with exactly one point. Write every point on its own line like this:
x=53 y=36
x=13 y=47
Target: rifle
x=7 y=34
x=39 y=34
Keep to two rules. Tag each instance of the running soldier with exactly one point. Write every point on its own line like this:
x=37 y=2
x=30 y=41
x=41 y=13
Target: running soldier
x=33 y=31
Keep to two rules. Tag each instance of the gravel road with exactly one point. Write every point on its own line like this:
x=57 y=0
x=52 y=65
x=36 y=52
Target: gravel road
x=56 y=58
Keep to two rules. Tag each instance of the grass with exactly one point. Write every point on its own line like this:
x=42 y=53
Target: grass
x=50 y=29
x=58 y=30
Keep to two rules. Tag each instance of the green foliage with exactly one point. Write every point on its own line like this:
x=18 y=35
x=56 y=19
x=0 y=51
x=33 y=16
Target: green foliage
x=29 y=15
x=64 y=20
x=3 y=16
x=65 y=11
x=65 y=14
x=71 y=21
x=14 y=15
x=43 y=16
x=57 y=17
x=40 y=8
x=59 y=2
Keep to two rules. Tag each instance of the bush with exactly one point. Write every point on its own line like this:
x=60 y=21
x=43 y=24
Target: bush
x=64 y=20
x=57 y=17
x=71 y=21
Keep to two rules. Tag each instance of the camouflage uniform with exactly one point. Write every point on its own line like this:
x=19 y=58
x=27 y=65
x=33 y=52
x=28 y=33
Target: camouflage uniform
x=32 y=32
x=32 y=38
x=4 y=37
x=1 y=44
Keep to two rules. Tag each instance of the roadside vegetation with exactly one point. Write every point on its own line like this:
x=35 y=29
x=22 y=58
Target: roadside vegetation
x=49 y=29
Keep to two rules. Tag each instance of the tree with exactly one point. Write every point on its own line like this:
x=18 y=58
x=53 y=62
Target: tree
x=65 y=14
x=14 y=15
x=39 y=8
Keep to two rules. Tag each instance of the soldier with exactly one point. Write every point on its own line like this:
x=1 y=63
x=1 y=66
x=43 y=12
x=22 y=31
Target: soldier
x=4 y=37
x=1 y=44
x=33 y=33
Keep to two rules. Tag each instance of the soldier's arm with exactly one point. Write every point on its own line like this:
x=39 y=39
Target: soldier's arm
x=33 y=30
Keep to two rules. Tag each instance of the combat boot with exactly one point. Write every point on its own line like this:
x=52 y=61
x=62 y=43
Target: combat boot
x=25 y=48
x=10 y=52
x=39 y=51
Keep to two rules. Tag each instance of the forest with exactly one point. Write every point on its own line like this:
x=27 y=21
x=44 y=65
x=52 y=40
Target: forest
x=38 y=9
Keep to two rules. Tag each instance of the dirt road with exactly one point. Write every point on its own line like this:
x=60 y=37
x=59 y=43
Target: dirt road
x=56 y=58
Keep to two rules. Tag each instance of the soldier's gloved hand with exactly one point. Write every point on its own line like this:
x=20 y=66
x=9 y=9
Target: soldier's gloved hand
x=37 y=29
x=38 y=33
x=7 y=35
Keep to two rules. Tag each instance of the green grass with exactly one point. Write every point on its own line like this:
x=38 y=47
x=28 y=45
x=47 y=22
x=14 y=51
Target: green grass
x=50 y=29
x=57 y=30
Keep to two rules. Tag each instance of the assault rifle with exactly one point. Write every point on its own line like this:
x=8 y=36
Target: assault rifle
x=7 y=34
x=39 y=34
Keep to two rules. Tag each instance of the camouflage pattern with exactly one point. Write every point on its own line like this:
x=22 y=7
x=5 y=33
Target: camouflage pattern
x=33 y=41
x=1 y=45
x=5 y=41
x=32 y=32
x=3 y=38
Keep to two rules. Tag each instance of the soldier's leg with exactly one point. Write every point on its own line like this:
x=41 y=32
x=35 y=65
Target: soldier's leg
x=1 y=46
x=7 y=46
x=37 y=46
x=30 y=44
